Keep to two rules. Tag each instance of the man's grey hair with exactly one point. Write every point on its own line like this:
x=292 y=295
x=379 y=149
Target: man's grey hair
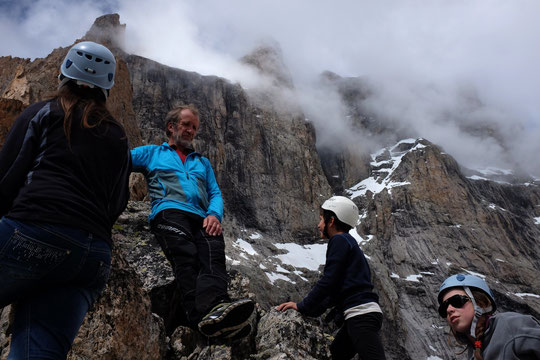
x=174 y=115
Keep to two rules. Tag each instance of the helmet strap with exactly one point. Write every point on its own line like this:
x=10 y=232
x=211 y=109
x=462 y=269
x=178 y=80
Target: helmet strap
x=63 y=80
x=478 y=311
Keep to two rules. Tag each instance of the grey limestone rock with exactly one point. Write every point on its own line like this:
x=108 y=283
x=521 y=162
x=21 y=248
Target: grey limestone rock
x=288 y=335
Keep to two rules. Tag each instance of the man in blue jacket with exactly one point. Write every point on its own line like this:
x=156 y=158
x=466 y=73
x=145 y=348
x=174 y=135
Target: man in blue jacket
x=346 y=285
x=187 y=209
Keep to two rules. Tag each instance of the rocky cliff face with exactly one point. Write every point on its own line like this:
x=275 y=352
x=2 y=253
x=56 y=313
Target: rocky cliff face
x=424 y=221
x=422 y=217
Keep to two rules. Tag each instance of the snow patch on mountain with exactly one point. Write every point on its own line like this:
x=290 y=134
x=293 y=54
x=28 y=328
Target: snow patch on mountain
x=382 y=170
x=244 y=247
x=305 y=256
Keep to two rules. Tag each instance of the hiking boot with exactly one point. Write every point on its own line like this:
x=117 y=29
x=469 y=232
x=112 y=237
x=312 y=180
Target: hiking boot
x=226 y=317
x=237 y=334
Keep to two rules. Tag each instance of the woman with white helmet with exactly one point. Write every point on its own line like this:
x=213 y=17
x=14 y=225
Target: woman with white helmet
x=345 y=285
x=64 y=171
x=468 y=305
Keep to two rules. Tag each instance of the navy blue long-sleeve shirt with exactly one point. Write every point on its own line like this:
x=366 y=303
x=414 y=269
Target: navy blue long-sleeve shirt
x=43 y=178
x=346 y=281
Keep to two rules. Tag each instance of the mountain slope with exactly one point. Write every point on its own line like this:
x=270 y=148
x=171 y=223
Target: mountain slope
x=423 y=217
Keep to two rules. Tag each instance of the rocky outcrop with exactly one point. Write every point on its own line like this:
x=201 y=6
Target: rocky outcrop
x=9 y=68
x=289 y=336
x=345 y=161
x=9 y=110
x=108 y=31
x=121 y=324
x=31 y=81
x=4 y=332
x=267 y=59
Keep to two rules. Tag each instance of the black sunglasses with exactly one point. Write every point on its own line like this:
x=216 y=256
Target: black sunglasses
x=456 y=301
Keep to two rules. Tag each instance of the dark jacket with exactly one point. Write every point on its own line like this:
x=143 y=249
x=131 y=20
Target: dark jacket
x=346 y=281
x=43 y=179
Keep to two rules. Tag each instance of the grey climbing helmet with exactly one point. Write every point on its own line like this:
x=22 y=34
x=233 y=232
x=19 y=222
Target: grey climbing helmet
x=89 y=64
x=468 y=282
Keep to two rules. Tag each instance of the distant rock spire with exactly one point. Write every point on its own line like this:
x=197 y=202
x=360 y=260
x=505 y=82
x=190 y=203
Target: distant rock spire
x=108 y=31
x=268 y=59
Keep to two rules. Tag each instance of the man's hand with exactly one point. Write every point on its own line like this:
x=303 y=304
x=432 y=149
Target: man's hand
x=287 y=305
x=212 y=226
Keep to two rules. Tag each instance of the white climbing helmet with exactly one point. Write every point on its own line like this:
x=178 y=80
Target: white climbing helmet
x=90 y=64
x=344 y=208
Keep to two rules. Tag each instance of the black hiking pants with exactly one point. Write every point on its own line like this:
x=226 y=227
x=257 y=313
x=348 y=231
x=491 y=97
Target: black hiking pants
x=197 y=260
x=359 y=335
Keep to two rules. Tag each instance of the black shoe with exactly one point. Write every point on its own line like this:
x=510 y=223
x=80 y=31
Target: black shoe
x=238 y=334
x=226 y=317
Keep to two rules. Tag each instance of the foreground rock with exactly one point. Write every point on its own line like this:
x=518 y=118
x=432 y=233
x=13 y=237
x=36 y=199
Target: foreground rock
x=121 y=325
x=290 y=336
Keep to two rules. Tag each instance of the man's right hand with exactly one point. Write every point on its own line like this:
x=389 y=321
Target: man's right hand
x=212 y=225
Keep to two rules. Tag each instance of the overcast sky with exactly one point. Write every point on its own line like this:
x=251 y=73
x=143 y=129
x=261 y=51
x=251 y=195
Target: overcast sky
x=428 y=59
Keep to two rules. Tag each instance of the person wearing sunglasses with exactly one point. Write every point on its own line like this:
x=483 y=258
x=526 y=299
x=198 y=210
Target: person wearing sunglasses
x=468 y=305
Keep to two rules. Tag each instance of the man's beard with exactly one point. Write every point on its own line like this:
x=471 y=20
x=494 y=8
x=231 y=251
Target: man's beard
x=184 y=143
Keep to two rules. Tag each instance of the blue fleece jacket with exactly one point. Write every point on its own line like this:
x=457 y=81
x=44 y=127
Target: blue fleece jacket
x=189 y=186
x=346 y=281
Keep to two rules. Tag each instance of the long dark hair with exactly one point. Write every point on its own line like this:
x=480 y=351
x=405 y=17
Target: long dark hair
x=91 y=101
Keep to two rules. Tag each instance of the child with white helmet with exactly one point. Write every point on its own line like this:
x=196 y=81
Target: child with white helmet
x=345 y=285
x=468 y=305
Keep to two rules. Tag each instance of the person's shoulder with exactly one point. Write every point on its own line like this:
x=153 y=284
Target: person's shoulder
x=115 y=127
x=145 y=148
x=346 y=238
x=514 y=320
x=509 y=315
x=46 y=106
x=341 y=240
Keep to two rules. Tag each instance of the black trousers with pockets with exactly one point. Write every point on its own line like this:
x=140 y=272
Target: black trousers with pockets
x=197 y=260
x=359 y=335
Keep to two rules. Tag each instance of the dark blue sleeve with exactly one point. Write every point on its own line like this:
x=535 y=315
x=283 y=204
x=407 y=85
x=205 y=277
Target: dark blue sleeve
x=319 y=298
x=120 y=194
x=19 y=152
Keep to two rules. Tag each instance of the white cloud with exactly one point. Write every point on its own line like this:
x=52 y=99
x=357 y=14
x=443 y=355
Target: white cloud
x=435 y=67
